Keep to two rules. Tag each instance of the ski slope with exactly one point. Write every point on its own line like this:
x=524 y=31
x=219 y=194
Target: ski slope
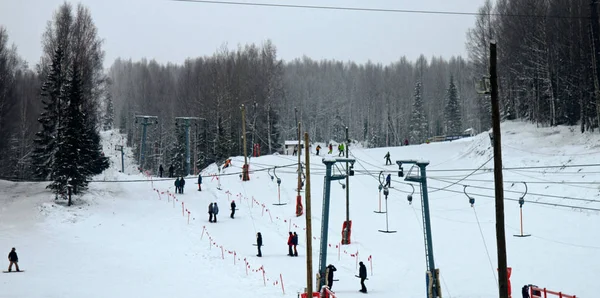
x=127 y=237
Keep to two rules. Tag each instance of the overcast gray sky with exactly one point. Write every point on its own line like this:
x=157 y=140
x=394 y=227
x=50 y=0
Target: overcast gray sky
x=172 y=31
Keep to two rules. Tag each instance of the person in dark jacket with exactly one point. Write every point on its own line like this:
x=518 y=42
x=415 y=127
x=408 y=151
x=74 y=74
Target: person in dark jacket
x=177 y=185
x=160 y=171
x=259 y=243
x=290 y=244
x=232 y=208
x=199 y=182
x=330 y=149
x=295 y=243
x=387 y=159
x=215 y=211
x=13 y=259
x=388 y=181
x=171 y=171
x=525 y=291
x=362 y=273
x=181 y=184
x=329 y=270
x=318 y=149
x=211 y=212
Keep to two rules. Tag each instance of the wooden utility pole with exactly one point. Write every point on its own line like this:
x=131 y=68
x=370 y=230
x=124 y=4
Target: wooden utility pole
x=499 y=190
x=346 y=232
x=245 y=167
x=309 y=281
x=595 y=26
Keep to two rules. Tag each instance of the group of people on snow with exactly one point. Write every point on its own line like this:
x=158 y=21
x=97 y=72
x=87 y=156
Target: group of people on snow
x=179 y=184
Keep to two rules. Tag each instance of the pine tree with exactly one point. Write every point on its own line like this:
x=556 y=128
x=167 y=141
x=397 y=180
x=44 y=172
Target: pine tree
x=109 y=114
x=178 y=151
x=419 y=127
x=452 y=111
x=339 y=129
x=45 y=142
x=69 y=166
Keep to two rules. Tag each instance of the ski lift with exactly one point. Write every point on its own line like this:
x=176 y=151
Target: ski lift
x=279 y=203
x=410 y=196
x=269 y=172
x=521 y=202
x=380 y=187
x=386 y=192
x=471 y=199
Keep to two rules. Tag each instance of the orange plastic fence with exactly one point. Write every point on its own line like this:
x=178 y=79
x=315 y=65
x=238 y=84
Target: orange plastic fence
x=544 y=293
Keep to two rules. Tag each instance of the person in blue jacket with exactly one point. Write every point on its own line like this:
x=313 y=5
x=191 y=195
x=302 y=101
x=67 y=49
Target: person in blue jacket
x=215 y=211
x=388 y=180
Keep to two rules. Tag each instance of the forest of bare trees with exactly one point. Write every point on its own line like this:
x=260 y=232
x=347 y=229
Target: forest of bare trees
x=546 y=66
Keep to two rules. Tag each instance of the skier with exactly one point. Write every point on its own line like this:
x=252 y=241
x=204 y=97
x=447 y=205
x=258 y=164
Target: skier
x=330 y=149
x=362 y=273
x=329 y=270
x=295 y=243
x=388 y=180
x=525 y=291
x=405 y=142
x=387 y=159
x=13 y=259
x=177 y=185
x=181 y=184
x=227 y=163
x=290 y=243
x=211 y=212
x=259 y=243
x=295 y=150
x=160 y=171
x=341 y=149
x=215 y=210
x=171 y=171
x=232 y=208
x=318 y=148
x=199 y=182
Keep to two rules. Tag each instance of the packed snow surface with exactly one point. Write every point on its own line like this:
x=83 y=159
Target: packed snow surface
x=130 y=235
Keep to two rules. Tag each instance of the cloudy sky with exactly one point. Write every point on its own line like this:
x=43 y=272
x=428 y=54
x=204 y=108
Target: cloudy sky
x=172 y=31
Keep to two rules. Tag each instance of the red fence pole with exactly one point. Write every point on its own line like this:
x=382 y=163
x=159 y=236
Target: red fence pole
x=282 y=288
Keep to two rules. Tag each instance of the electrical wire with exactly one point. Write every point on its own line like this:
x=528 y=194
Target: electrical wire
x=386 y=10
x=454 y=183
x=485 y=245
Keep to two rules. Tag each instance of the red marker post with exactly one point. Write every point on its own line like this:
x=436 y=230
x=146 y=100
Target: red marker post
x=182 y=210
x=188 y=217
x=370 y=259
x=282 y=288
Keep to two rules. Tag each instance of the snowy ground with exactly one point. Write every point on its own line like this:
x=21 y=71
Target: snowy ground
x=129 y=239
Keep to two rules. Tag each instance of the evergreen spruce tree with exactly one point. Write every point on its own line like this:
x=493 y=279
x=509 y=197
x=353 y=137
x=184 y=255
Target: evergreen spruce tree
x=91 y=150
x=178 y=151
x=109 y=114
x=452 y=111
x=419 y=127
x=69 y=166
x=45 y=142
x=275 y=131
x=339 y=129
x=223 y=145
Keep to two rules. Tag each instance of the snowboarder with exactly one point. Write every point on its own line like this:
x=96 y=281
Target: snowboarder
x=171 y=171
x=329 y=273
x=160 y=171
x=318 y=149
x=181 y=184
x=177 y=185
x=215 y=211
x=330 y=149
x=525 y=291
x=199 y=182
x=362 y=273
x=259 y=243
x=290 y=244
x=387 y=159
x=295 y=243
x=388 y=180
x=341 y=149
x=13 y=259
x=211 y=212
x=232 y=208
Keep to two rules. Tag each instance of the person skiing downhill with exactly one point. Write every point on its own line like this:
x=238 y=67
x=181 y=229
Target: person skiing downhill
x=13 y=259
x=232 y=208
x=388 y=180
x=362 y=273
x=341 y=149
x=259 y=243
x=387 y=159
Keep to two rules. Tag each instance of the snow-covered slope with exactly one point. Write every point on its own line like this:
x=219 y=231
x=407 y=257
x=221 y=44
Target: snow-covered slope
x=130 y=239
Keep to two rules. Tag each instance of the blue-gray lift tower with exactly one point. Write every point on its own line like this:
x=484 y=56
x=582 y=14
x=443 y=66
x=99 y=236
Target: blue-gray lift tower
x=186 y=122
x=325 y=215
x=432 y=275
x=145 y=121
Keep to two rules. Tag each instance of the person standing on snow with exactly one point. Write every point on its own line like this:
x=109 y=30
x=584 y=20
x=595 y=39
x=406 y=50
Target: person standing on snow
x=215 y=211
x=171 y=171
x=295 y=243
x=290 y=244
x=387 y=159
x=13 y=259
x=525 y=291
x=330 y=149
x=362 y=273
x=160 y=171
x=199 y=182
x=388 y=181
x=330 y=269
x=177 y=185
x=318 y=149
x=341 y=149
x=181 y=184
x=211 y=212
x=232 y=208
x=259 y=243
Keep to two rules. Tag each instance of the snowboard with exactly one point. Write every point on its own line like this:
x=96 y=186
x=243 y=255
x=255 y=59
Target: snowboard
x=13 y=271
x=359 y=277
x=254 y=244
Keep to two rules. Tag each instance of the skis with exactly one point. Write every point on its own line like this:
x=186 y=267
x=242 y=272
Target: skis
x=13 y=271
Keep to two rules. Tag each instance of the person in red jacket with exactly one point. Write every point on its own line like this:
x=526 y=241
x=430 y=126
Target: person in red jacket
x=290 y=244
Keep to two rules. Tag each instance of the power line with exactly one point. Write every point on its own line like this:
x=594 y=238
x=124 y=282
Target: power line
x=384 y=10
x=473 y=172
